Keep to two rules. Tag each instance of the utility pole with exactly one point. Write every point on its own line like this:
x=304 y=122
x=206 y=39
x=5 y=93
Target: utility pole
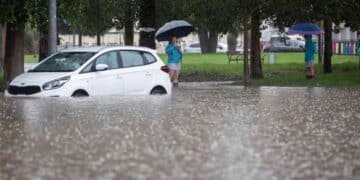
x=52 y=26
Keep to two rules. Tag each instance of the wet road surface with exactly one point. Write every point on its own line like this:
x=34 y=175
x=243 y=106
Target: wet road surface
x=202 y=131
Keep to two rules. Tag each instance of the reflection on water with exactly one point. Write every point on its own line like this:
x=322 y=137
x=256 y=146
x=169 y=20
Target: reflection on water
x=202 y=131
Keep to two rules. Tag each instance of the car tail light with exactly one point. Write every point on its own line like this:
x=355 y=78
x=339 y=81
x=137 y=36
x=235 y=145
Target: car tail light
x=165 y=69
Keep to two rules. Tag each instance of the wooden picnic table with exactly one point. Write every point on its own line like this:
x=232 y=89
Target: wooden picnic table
x=238 y=56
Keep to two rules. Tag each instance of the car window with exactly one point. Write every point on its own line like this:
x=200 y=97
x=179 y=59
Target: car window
x=110 y=59
x=131 y=59
x=196 y=45
x=64 y=62
x=150 y=58
x=88 y=68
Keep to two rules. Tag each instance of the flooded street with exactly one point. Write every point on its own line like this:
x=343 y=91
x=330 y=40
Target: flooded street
x=203 y=131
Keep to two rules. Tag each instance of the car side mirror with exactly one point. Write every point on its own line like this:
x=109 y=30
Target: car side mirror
x=101 y=67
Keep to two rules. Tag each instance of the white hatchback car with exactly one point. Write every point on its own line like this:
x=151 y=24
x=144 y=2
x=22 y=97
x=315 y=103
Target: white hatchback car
x=94 y=71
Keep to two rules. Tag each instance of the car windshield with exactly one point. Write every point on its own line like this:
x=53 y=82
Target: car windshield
x=64 y=62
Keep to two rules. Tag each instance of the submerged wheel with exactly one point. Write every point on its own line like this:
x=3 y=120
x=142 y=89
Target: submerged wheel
x=158 y=91
x=80 y=93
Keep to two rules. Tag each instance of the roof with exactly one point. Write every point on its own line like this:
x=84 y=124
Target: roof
x=105 y=48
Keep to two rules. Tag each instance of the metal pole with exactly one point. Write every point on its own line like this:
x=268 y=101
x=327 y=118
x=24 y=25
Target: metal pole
x=52 y=26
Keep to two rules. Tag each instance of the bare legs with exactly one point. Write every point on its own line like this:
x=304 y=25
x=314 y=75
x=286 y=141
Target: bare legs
x=310 y=73
x=174 y=77
x=310 y=70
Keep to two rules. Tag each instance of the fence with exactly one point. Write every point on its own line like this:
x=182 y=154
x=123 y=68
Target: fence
x=346 y=48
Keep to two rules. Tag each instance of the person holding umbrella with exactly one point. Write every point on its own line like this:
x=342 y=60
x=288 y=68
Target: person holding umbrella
x=170 y=32
x=174 y=59
x=310 y=50
x=308 y=29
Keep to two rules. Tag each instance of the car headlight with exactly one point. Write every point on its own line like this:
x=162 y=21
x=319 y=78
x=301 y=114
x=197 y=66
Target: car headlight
x=57 y=83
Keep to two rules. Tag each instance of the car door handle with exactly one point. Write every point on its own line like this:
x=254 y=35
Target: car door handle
x=148 y=74
x=118 y=77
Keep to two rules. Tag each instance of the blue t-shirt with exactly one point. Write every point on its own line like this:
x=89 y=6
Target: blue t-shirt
x=310 y=49
x=174 y=54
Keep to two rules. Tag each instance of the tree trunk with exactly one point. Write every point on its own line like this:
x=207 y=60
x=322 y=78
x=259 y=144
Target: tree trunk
x=147 y=21
x=328 y=46
x=14 y=50
x=246 y=76
x=129 y=27
x=1 y=46
x=208 y=40
x=213 y=41
x=43 y=45
x=320 y=45
x=80 y=38
x=204 y=40
x=53 y=36
x=255 y=62
x=232 y=41
x=98 y=35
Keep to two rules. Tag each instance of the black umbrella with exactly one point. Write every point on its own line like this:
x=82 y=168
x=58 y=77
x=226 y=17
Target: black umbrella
x=176 y=28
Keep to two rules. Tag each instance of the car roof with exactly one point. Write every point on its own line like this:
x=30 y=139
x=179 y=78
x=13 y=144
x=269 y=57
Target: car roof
x=97 y=49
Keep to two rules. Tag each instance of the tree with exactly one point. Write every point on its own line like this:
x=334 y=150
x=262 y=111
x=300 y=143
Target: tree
x=211 y=20
x=255 y=61
x=14 y=40
x=126 y=19
x=350 y=13
x=89 y=17
x=1 y=48
x=147 y=16
x=129 y=20
x=232 y=41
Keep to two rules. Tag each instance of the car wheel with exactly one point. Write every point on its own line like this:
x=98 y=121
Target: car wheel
x=158 y=91
x=80 y=93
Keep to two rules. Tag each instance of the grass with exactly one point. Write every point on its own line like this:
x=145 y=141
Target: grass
x=214 y=67
x=288 y=70
x=31 y=59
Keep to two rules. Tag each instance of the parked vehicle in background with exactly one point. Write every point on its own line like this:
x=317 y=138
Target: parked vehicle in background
x=195 y=48
x=94 y=71
x=293 y=43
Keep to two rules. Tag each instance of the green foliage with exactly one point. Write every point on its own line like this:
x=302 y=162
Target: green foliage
x=287 y=12
x=81 y=15
x=14 y=11
x=351 y=13
x=7 y=11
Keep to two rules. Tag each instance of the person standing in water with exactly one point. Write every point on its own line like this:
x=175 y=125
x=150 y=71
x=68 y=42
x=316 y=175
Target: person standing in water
x=309 y=57
x=174 y=60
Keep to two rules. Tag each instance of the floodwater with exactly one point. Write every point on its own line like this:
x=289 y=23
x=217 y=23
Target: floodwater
x=203 y=131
